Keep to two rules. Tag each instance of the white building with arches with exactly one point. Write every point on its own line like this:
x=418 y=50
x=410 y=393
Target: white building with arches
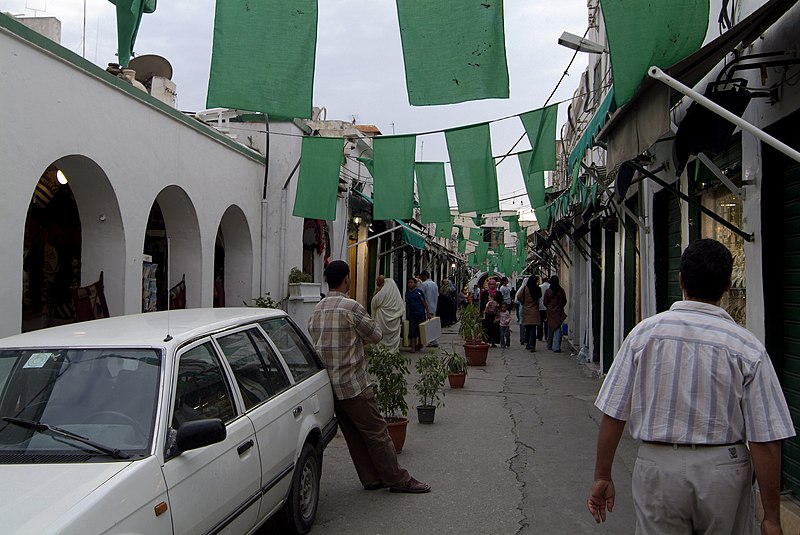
x=145 y=184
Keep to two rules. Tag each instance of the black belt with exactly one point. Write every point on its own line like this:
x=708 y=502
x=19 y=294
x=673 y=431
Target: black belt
x=691 y=446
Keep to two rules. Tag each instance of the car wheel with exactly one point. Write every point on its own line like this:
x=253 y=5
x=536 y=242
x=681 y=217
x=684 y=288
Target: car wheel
x=300 y=509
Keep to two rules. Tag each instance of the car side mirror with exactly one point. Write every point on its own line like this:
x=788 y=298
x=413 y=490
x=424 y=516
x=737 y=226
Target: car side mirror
x=199 y=433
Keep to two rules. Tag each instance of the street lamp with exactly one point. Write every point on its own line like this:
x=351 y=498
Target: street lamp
x=357 y=220
x=581 y=44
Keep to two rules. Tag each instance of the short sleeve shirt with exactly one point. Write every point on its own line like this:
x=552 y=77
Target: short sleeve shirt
x=691 y=375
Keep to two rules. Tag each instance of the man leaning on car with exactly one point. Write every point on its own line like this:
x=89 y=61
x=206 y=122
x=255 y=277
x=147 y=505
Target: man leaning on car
x=339 y=326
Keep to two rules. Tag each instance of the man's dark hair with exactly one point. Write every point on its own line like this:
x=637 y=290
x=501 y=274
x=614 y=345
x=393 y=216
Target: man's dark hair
x=424 y=274
x=336 y=272
x=706 y=267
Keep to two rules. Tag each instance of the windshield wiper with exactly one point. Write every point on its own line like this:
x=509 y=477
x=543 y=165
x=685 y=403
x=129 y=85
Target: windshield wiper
x=57 y=432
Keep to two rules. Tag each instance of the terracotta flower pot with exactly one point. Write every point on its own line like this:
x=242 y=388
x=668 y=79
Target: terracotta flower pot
x=476 y=353
x=426 y=414
x=457 y=380
x=397 y=432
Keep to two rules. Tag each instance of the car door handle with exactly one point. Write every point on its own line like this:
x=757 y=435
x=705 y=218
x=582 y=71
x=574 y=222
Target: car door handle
x=244 y=447
x=297 y=411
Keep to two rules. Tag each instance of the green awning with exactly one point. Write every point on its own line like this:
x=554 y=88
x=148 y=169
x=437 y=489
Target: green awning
x=411 y=237
x=587 y=139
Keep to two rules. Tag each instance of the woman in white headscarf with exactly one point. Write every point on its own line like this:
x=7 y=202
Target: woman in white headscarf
x=388 y=308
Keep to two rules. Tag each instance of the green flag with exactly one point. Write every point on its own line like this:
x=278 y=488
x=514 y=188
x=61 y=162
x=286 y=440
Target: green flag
x=472 y=260
x=543 y=216
x=263 y=56
x=644 y=33
x=369 y=163
x=479 y=220
x=508 y=262
x=534 y=182
x=476 y=234
x=453 y=50
x=393 y=186
x=540 y=126
x=318 y=184
x=129 y=16
x=474 y=172
x=513 y=223
x=444 y=230
x=483 y=249
x=462 y=245
x=433 y=200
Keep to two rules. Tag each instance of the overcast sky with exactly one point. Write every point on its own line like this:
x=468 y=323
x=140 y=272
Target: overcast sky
x=359 y=66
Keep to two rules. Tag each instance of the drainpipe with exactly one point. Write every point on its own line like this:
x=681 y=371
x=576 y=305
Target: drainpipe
x=283 y=272
x=262 y=283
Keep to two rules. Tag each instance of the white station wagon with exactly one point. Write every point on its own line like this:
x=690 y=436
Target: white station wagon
x=191 y=421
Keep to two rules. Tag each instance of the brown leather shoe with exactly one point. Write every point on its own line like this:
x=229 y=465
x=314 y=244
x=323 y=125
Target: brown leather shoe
x=411 y=486
x=375 y=486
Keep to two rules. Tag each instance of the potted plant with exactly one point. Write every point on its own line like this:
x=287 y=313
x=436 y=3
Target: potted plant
x=302 y=285
x=430 y=380
x=456 y=365
x=471 y=329
x=389 y=369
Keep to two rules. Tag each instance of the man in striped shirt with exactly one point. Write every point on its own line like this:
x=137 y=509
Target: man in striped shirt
x=339 y=327
x=695 y=388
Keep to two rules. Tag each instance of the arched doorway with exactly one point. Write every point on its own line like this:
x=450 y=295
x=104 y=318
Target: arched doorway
x=73 y=233
x=172 y=267
x=51 y=263
x=233 y=260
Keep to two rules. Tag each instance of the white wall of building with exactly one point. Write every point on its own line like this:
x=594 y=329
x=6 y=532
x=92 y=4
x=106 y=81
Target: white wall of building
x=123 y=153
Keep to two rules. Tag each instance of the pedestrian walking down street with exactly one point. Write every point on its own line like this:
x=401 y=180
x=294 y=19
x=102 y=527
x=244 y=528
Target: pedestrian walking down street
x=505 y=290
x=490 y=322
x=416 y=312
x=543 y=331
x=339 y=327
x=523 y=339
x=388 y=308
x=431 y=292
x=694 y=386
x=530 y=312
x=504 y=321
x=555 y=299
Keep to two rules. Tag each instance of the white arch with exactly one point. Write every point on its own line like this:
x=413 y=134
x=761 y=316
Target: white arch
x=238 y=257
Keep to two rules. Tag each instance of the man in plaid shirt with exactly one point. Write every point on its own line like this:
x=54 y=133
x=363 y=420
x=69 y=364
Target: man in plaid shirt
x=339 y=328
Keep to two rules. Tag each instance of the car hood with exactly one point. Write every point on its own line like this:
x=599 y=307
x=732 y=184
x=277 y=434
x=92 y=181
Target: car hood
x=33 y=496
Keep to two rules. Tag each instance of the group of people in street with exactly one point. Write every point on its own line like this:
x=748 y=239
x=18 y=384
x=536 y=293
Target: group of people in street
x=699 y=392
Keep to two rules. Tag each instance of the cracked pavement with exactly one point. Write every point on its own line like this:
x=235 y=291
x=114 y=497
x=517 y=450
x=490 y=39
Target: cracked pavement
x=512 y=452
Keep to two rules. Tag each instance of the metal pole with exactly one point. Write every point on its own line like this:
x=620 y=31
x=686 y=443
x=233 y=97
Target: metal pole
x=727 y=224
x=661 y=76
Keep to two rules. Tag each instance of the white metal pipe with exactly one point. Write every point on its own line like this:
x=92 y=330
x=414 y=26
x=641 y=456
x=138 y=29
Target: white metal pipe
x=661 y=76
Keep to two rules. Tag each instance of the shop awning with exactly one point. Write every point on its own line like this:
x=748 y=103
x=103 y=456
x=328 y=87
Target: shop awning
x=410 y=236
x=636 y=126
x=587 y=139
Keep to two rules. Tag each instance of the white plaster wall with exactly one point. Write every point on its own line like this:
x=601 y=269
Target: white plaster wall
x=54 y=109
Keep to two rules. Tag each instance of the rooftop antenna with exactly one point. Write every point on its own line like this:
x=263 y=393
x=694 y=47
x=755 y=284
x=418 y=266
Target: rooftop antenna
x=84 y=29
x=169 y=297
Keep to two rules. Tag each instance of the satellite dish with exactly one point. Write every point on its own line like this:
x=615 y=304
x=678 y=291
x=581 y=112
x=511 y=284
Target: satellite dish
x=150 y=65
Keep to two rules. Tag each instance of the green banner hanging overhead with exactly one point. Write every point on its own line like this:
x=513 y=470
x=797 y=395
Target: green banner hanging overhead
x=644 y=33
x=542 y=216
x=462 y=245
x=540 y=126
x=513 y=223
x=454 y=51
x=534 y=182
x=508 y=262
x=129 y=16
x=433 y=200
x=263 y=57
x=393 y=185
x=476 y=234
x=444 y=229
x=474 y=172
x=318 y=184
x=472 y=260
x=481 y=252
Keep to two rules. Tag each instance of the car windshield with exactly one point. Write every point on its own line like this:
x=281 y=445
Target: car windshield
x=107 y=396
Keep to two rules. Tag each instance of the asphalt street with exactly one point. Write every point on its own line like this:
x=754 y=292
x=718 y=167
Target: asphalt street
x=513 y=452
